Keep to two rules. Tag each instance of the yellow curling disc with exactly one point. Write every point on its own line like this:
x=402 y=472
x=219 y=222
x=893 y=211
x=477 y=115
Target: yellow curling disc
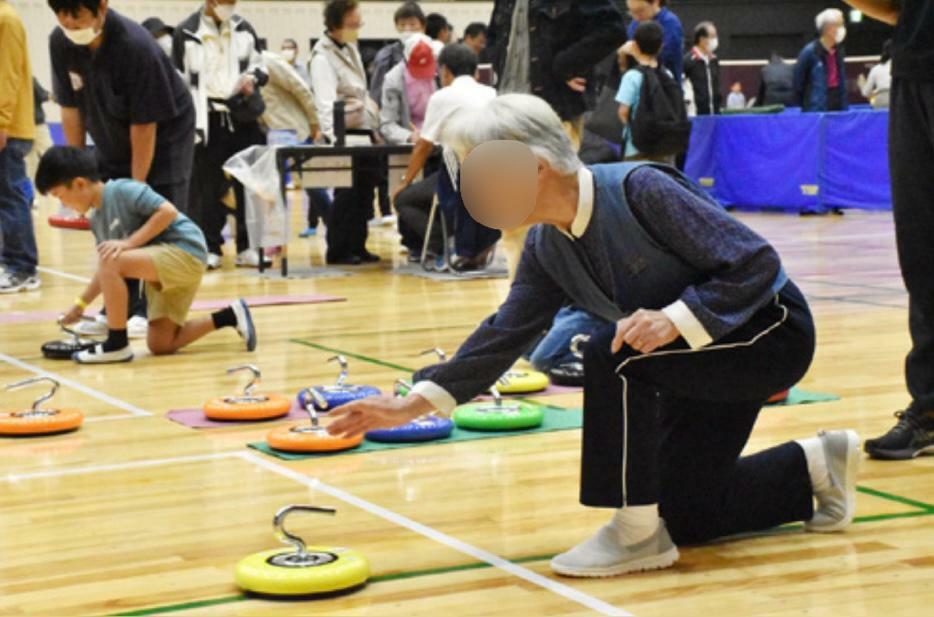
x=523 y=382
x=280 y=573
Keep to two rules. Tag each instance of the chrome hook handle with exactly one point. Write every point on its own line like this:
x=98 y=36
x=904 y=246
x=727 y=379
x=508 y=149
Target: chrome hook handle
x=443 y=357
x=287 y=537
x=310 y=406
x=576 y=342
x=345 y=371
x=42 y=399
x=248 y=390
x=497 y=397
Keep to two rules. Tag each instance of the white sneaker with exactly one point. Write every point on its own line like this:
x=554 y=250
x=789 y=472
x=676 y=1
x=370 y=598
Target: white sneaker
x=602 y=555
x=215 y=261
x=137 y=327
x=92 y=327
x=14 y=283
x=97 y=355
x=836 y=506
x=250 y=259
x=245 y=327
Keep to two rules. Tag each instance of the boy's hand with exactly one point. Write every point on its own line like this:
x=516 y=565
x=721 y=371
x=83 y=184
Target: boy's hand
x=111 y=249
x=72 y=315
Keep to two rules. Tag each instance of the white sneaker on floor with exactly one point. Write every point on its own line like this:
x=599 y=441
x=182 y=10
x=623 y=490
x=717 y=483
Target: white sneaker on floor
x=250 y=259
x=137 y=327
x=245 y=327
x=97 y=355
x=836 y=506
x=92 y=327
x=14 y=283
x=602 y=555
x=215 y=261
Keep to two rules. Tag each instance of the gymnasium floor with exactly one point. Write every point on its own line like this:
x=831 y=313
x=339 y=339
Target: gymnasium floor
x=135 y=514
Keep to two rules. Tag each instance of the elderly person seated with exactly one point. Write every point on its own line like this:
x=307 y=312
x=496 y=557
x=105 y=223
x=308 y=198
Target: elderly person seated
x=705 y=326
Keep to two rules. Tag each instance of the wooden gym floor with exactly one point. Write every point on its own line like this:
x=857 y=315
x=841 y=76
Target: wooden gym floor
x=136 y=514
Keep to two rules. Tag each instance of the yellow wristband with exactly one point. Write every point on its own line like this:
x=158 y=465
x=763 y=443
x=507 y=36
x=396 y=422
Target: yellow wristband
x=79 y=302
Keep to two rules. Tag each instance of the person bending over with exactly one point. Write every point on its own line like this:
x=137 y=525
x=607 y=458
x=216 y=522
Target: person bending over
x=139 y=235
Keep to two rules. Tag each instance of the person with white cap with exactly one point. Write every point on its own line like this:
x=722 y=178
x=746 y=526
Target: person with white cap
x=705 y=326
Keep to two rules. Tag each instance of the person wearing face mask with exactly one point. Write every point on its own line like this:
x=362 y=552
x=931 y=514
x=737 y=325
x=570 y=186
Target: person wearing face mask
x=161 y=32
x=406 y=91
x=337 y=74
x=820 y=74
x=289 y=53
x=218 y=55
x=116 y=85
x=702 y=69
x=409 y=20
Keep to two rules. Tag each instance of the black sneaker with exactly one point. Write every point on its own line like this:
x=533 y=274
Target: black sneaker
x=912 y=436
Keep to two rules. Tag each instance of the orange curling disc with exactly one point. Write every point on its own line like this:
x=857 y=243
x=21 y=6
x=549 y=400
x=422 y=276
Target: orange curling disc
x=40 y=422
x=273 y=406
x=303 y=438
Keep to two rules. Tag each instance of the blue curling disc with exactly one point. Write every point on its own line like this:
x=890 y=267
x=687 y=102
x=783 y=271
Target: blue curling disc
x=335 y=396
x=424 y=429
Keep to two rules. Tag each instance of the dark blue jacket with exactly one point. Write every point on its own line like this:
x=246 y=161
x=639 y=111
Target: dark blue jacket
x=672 y=54
x=811 y=77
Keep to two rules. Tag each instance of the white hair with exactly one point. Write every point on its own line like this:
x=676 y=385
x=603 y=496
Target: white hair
x=827 y=17
x=515 y=117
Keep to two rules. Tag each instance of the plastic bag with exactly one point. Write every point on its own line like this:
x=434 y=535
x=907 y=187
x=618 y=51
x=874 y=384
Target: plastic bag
x=265 y=211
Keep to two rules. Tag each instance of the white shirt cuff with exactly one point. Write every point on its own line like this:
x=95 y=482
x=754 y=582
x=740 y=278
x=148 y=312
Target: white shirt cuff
x=436 y=395
x=687 y=324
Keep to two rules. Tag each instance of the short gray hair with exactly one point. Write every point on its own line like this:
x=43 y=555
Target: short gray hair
x=515 y=117
x=827 y=17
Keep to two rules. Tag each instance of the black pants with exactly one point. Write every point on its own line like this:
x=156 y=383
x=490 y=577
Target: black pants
x=209 y=184
x=414 y=205
x=352 y=208
x=319 y=204
x=911 y=161
x=668 y=427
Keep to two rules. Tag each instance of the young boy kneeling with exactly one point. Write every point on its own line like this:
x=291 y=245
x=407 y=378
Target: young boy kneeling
x=139 y=236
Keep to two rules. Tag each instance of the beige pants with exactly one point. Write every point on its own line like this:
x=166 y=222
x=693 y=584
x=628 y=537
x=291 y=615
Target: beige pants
x=180 y=275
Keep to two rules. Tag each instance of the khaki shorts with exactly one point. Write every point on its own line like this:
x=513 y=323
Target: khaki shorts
x=180 y=275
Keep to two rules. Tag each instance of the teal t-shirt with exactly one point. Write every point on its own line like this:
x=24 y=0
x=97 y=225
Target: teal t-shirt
x=126 y=205
x=628 y=94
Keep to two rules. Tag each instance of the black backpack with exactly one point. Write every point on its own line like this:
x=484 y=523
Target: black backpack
x=660 y=126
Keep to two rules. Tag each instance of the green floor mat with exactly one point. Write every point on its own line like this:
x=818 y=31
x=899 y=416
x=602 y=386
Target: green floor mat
x=797 y=396
x=555 y=420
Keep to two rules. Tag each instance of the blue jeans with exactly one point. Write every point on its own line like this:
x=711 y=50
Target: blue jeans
x=20 y=255
x=555 y=348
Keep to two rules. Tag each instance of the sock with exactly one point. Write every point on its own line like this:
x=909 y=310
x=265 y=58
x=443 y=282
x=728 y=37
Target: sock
x=116 y=339
x=224 y=318
x=817 y=463
x=634 y=524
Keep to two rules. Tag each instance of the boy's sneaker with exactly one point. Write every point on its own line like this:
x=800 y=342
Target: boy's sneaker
x=250 y=259
x=137 y=327
x=97 y=355
x=912 y=435
x=215 y=261
x=245 y=327
x=837 y=504
x=14 y=283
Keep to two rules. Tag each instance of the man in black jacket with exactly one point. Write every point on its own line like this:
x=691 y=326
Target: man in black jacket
x=777 y=87
x=548 y=48
x=702 y=68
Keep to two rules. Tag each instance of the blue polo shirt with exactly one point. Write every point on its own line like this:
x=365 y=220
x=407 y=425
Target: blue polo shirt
x=127 y=80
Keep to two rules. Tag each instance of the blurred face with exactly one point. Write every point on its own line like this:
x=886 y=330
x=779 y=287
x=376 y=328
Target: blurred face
x=447 y=77
x=222 y=10
x=77 y=195
x=409 y=24
x=642 y=10
x=500 y=184
x=289 y=52
x=83 y=27
x=831 y=30
x=476 y=43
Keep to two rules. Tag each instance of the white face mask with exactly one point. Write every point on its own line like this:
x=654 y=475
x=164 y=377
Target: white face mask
x=165 y=42
x=713 y=44
x=84 y=36
x=405 y=35
x=289 y=55
x=841 y=34
x=223 y=12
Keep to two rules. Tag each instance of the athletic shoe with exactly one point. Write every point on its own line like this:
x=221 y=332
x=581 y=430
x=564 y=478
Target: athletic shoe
x=250 y=259
x=245 y=327
x=343 y=260
x=14 y=283
x=568 y=374
x=215 y=261
x=93 y=327
x=368 y=258
x=912 y=435
x=137 y=327
x=97 y=355
x=309 y=232
x=837 y=505
x=602 y=555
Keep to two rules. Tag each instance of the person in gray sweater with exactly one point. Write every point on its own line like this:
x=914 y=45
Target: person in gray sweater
x=704 y=326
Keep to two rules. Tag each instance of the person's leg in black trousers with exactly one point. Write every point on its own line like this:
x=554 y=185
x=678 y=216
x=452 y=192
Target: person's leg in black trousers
x=350 y=211
x=245 y=135
x=413 y=206
x=911 y=160
x=382 y=189
x=212 y=183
